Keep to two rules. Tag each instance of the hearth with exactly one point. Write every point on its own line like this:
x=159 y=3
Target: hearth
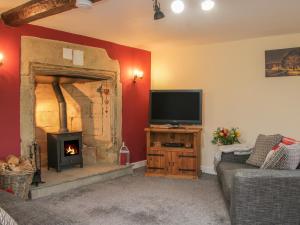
x=64 y=150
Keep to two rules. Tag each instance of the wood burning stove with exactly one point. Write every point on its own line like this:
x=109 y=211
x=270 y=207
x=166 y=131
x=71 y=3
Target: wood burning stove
x=64 y=150
x=64 y=147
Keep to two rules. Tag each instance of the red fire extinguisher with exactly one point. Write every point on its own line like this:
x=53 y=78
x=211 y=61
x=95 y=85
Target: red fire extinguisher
x=124 y=158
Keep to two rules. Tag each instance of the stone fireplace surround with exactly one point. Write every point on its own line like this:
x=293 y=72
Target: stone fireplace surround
x=41 y=59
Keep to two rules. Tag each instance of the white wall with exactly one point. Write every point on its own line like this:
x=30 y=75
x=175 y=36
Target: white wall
x=236 y=91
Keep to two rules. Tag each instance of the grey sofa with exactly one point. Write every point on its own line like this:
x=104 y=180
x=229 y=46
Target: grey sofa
x=29 y=212
x=259 y=197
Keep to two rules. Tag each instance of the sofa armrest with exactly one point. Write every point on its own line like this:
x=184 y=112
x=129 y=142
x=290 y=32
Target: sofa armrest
x=231 y=157
x=265 y=197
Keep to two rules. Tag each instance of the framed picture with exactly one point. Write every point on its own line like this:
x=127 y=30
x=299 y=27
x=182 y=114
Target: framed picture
x=283 y=62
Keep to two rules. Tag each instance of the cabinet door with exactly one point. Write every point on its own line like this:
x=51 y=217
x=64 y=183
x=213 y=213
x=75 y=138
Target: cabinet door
x=172 y=163
x=168 y=162
x=188 y=164
x=156 y=162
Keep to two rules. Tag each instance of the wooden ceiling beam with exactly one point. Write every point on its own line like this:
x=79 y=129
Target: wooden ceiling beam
x=36 y=9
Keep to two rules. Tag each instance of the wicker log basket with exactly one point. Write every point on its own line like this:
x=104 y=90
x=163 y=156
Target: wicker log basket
x=16 y=175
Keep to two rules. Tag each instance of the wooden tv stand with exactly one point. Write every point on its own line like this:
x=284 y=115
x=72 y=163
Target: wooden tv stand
x=177 y=162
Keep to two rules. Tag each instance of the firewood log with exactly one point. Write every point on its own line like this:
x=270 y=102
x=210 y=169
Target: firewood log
x=26 y=165
x=12 y=159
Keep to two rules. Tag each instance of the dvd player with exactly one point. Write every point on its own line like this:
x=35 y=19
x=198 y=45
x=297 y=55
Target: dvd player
x=173 y=145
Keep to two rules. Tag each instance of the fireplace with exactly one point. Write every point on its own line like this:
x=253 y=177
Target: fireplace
x=64 y=150
x=91 y=110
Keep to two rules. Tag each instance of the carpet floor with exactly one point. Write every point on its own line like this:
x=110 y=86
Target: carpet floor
x=139 y=200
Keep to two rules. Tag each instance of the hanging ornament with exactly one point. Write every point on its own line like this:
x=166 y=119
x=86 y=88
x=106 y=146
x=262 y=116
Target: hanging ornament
x=106 y=101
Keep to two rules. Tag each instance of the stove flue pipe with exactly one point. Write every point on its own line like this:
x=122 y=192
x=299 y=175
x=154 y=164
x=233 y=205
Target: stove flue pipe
x=63 y=128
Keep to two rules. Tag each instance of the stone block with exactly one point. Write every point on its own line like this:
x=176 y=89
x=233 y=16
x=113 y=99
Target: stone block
x=89 y=155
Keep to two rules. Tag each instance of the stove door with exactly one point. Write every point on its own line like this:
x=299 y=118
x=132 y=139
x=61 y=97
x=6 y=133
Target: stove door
x=71 y=150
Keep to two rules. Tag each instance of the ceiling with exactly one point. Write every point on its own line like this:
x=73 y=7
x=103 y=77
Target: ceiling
x=130 y=22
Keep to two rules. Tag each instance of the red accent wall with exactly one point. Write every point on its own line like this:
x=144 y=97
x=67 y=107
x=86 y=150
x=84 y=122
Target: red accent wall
x=135 y=97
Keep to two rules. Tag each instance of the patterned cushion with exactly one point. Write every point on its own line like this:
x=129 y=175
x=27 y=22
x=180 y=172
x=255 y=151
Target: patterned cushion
x=273 y=158
x=263 y=145
x=285 y=141
x=6 y=219
x=291 y=157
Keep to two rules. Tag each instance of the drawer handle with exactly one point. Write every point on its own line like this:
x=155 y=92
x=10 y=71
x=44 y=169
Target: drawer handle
x=155 y=168
x=187 y=156
x=187 y=170
x=156 y=155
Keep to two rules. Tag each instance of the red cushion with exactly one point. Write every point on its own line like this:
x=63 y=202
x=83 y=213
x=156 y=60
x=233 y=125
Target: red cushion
x=288 y=141
x=285 y=141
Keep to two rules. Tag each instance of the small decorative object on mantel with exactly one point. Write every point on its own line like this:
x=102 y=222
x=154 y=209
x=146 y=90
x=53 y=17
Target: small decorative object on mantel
x=223 y=136
x=283 y=62
x=16 y=174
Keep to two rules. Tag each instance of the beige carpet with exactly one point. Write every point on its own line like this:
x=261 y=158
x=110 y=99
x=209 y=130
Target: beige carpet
x=139 y=200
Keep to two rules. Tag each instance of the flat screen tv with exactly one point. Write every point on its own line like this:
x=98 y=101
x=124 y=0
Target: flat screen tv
x=176 y=107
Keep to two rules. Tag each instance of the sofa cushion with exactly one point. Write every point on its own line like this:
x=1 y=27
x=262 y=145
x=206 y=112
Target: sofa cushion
x=273 y=158
x=6 y=219
x=263 y=145
x=226 y=171
x=291 y=157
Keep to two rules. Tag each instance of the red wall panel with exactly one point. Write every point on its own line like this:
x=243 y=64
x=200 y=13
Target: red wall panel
x=135 y=96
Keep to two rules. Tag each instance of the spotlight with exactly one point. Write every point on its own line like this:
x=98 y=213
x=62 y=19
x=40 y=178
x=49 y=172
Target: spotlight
x=207 y=5
x=158 y=14
x=177 y=6
x=83 y=4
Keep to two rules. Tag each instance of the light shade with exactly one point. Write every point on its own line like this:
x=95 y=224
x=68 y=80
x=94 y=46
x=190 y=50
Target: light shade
x=158 y=14
x=137 y=74
x=207 y=5
x=84 y=3
x=177 y=6
x=1 y=58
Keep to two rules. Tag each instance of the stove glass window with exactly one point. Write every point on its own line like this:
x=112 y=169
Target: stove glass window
x=71 y=148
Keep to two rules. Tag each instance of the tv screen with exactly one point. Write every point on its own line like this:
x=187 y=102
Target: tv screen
x=176 y=107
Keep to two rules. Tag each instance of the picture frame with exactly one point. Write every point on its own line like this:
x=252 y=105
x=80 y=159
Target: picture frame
x=282 y=62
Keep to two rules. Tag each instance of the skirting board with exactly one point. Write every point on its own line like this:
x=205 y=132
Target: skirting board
x=139 y=164
x=208 y=170
x=205 y=169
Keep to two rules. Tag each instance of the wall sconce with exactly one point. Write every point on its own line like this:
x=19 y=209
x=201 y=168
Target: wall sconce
x=137 y=74
x=1 y=58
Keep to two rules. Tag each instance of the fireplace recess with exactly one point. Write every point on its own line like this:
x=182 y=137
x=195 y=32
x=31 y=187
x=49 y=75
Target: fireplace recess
x=64 y=147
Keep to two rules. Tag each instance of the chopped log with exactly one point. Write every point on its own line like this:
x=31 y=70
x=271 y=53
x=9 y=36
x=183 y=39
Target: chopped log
x=34 y=10
x=13 y=160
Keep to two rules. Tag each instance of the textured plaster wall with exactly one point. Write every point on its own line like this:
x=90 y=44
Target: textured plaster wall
x=236 y=91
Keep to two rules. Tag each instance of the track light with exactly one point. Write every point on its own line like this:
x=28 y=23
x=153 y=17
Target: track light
x=158 y=14
x=177 y=6
x=207 y=5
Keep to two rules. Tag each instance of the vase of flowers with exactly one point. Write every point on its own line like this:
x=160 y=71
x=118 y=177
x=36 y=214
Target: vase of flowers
x=223 y=136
